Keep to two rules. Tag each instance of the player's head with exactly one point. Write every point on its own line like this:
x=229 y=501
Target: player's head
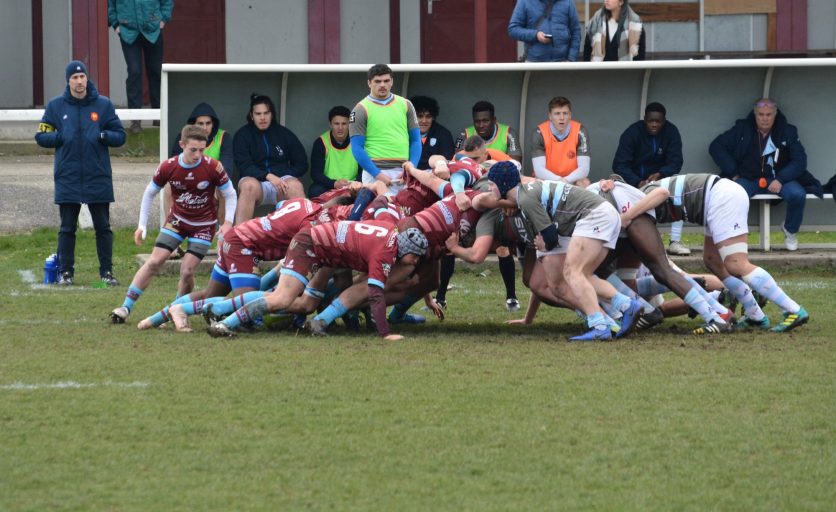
x=76 y=74
x=654 y=117
x=560 y=112
x=505 y=176
x=484 y=118
x=412 y=241
x=426 y=109
x=766 y=109
x=474 y=147
x=193 y=143
x=380 y=81
x=262 y=111
x=338 y=119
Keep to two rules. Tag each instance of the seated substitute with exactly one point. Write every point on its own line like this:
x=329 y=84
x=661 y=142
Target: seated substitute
x=435 y=138
x=764 y=155
x=332 y=164
x=269 y=158
x=497 y=135
x=649 y=150
x=560 y=151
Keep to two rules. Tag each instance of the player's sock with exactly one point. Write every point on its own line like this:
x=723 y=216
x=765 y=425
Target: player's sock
x=331 y=291
x=508 y=269
x=252 y=310
x=596 y=321
x=711 y=299
x=448 y=266
x=700 y=305
x=620 y=302
x=622 y=288
x=609 y=309
x=760 y=281
x=196 y=307
x=269 y=279
x=676 y=231
x=182 y=300
x=332 y=312
x=364 y=197
x=744 y=296
x=648 y=286
x=227 y=306
x=131 y=297
x=160 y=317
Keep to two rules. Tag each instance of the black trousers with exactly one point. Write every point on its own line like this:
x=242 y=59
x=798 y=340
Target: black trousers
x=66 y=236
x=152 y=54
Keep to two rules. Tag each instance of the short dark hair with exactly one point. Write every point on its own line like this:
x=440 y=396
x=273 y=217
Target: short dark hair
x=339 y=110
x=425 y=104
x=192 y=132
x=261 y=99
x=559 y=101
x=473 y=142
x=378 y=70
x=655 y=107
x=483 y=106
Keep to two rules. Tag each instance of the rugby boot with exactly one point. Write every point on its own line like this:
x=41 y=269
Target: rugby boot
x=792 y=320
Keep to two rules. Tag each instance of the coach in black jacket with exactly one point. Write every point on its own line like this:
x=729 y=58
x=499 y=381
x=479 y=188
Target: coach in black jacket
x=650 y=149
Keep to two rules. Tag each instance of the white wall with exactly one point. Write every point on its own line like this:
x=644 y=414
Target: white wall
x=57 y=46
x=267 y=32
x=16 y=53
x=821 y=24
x=410 y=32
x=364 y=31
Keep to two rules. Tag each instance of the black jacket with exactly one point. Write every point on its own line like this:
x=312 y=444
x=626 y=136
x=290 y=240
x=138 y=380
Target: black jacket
x=204 y=109
x=276 y=150
x=437 y=141
x=636 y=159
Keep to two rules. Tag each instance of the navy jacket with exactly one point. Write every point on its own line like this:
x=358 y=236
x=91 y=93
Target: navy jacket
x=205 y=109
x=640 y=154
x=276 y=150
x=437 y=141
x=562 y=23
x=81 y=130
x=736 y=152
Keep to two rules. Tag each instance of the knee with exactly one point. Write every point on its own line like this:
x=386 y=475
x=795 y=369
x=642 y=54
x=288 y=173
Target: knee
x=502 y=252
x=247 y=187
x=294 y=188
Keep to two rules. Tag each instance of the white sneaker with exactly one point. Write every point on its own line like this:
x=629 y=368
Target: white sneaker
x=677 y=248
x=119 y=315
x=512 y=305
x=790 y=240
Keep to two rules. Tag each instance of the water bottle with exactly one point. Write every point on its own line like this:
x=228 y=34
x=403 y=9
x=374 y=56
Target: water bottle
x=51 y=269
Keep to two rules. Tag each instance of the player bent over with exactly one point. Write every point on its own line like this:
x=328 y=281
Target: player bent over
x=722 y=206
x=193 y=178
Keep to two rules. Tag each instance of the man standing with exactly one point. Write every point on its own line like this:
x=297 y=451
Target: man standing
x=764 y=155
x=139 y=25
x=550 y=30
x=497 y=135
x=650 y=150
x=332 y=164
x=384 y=131
x=81 y=125
x=560 y=151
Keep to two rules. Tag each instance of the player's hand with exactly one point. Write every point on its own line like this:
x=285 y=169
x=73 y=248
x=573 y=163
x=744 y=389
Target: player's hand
x=139 y=235
x=517 y=321
x=452 y=241
x=606 y=185
x=225 y=228
x=463 y=202
x=625 y=220
x=279 y=184
x=341 y=183
x=393 y=337
x=775 y=187
x=384 y=178
x=354 y=186
x=539 y=243
x=442 y=170
x=434 y=307
x=408 y=166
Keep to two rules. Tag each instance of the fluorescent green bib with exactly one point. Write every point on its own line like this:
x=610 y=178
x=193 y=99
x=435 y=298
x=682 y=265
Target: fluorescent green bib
x=339 y=163
x=500 y=142
x=213 y=150
x=387 y=136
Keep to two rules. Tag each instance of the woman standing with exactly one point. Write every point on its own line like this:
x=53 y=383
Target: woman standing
x=613 y=33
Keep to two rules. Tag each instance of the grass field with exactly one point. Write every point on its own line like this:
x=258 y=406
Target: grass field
x=467 y=414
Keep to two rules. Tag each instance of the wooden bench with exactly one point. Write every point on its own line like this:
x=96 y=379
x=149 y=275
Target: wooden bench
x=764 y=207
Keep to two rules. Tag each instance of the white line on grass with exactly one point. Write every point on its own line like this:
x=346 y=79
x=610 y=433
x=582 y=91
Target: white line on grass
x=69 y=384
x=27 y=276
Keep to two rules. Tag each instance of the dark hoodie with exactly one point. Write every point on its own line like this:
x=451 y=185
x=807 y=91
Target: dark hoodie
x=737 y=152
x=205 y=109
x=276 y=150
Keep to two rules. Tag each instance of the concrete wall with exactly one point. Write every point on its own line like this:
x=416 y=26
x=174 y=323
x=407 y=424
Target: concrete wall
x=821 y=24
x=267 y=32
x=364 y=31
x=16 y=53
x=57 y=45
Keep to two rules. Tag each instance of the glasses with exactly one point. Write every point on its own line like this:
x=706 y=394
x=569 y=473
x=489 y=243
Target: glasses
x=761 y=104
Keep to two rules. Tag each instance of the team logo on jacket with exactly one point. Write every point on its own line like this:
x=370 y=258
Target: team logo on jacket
x=570 y=154
x=94 y=116
x=203 y=185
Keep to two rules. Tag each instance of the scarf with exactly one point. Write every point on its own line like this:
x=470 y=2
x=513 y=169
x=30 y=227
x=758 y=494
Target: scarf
x=628 y=44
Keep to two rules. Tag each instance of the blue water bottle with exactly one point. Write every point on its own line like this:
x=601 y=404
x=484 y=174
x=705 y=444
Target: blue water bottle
x=51 y=269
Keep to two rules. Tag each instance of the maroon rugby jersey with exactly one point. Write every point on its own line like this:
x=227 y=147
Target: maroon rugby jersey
x=269 y=236
x=472 y=169
x=192 y=190
x=414 y=197
x=444 y=218
x=363 y=246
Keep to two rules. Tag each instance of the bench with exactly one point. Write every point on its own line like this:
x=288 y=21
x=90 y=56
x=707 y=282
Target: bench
x=764 y=207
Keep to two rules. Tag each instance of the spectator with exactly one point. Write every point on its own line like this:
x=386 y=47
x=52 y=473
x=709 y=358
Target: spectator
x=218 y=147
x=549 y=28
x=615 y=32
x=560 y=150
x=650 y=150
x=383 y=138
x=435 y=138
x=81 y=125
x=764 y=155
x=332 y=163
x=269 y=158
x=139 y=25
x=497 y=135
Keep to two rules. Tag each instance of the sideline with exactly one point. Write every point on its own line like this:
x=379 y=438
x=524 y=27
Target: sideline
x=69 y=384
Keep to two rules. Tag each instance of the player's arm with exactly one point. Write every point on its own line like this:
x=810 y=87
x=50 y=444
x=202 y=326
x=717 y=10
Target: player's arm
x=650 y=201
x=536 y=213
x=427 y=179
x=514 y=150
x=475 y=254
x=147 y=199
x=485 y=201
x=584 y=158
x=230 y=204
x=48 y=135
x=415 y=144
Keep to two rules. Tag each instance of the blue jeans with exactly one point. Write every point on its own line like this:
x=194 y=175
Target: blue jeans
x=791 y=192
x=100 y=212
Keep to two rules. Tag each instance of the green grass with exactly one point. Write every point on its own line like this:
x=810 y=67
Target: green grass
x=462 y=415
x=776 y=237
